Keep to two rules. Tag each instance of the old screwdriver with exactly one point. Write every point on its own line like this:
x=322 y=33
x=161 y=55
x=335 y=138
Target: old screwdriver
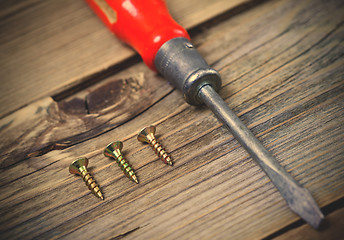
x=165 y=47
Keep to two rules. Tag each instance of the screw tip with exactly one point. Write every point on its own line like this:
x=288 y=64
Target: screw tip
x=166 y=158
x=100 y=195
x=134 y=178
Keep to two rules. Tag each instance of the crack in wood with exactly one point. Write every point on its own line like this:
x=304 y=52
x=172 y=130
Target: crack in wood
x=328 y=209
x=96 y=77
x=120 y=236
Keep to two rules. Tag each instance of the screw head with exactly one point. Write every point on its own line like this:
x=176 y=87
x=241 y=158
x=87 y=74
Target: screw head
x=142 y=136
x=75 y=166
x=112 y=147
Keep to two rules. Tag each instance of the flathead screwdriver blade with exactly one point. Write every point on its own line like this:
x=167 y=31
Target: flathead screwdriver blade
x=301 y=202
x=298 y=198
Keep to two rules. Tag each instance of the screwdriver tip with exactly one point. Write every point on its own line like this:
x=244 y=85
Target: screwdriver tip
x=303 y=204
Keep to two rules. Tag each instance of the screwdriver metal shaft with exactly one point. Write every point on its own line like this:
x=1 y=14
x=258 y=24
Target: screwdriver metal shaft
x=298 y=198
x=180 y=63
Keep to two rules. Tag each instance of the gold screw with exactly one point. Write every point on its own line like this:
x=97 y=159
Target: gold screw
x=113 y=150
x=147 y=135
x=79 y=167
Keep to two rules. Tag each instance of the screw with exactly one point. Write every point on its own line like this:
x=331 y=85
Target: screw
x=113 y=150
x=79 y=167
x=147 y=135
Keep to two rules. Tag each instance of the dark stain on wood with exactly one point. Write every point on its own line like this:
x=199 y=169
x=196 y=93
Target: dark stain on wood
x=105 y=96
x=75 y=106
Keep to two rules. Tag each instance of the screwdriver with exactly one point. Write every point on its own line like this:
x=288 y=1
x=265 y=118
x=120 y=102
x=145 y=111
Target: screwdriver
x=165 y=47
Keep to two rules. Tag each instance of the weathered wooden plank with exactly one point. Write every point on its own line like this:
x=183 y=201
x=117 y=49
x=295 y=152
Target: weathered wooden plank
x=192 y=175
x=284 y=79
x=332 y=230
x=50 y=46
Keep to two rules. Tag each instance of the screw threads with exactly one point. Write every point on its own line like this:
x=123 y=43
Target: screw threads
x=91 y=184
x=79 y=167
x=126 y=168
x=147 y=135
x=113 y=150
x=160 y=151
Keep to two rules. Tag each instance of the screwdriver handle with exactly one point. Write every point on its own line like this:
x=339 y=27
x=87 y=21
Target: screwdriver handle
x=164 y=46
x=145 y=25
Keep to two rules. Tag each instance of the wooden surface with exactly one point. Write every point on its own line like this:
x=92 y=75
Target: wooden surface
x=68 y=88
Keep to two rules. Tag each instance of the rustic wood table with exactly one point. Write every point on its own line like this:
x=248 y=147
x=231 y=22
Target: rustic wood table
x=69 y=87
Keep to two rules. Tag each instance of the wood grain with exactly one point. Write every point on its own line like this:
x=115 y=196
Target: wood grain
x=282 y=69
x=58 y=44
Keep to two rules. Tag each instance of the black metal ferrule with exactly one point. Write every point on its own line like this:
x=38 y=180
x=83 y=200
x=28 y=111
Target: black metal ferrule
x=182 y=65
